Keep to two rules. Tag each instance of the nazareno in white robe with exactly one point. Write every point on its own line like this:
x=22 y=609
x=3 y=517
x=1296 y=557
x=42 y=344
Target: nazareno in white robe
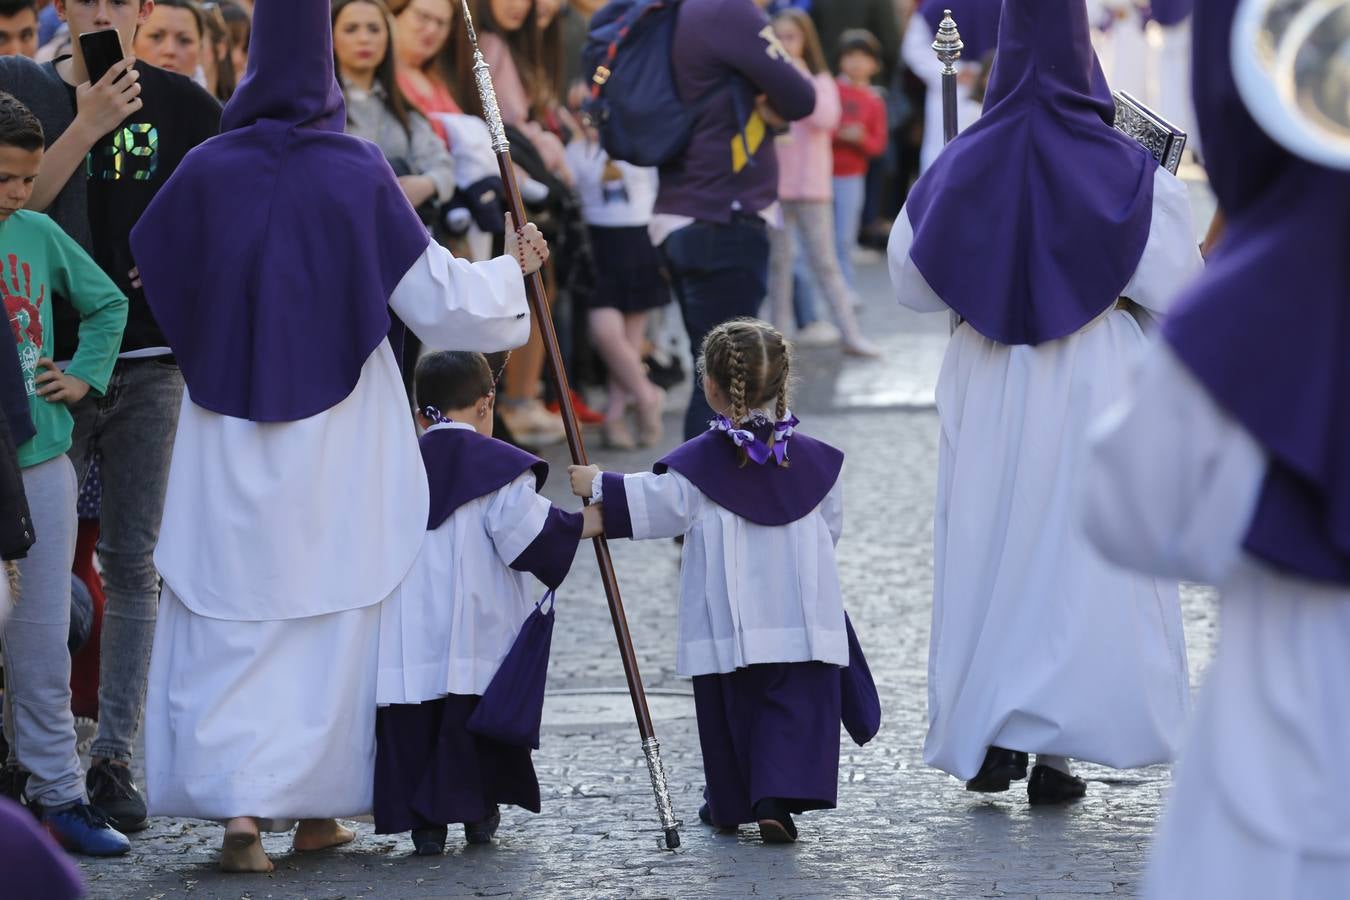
x=1259 y=807
x=916 y=49
x=1039 y=644
x=279 y=542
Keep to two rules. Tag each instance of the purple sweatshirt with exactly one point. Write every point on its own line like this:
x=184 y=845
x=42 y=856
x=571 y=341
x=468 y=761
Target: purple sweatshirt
x=715 y=41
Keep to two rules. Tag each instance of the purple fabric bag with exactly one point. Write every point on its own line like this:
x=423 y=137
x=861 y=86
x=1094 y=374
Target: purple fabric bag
x=513 y=704
x=860 y=706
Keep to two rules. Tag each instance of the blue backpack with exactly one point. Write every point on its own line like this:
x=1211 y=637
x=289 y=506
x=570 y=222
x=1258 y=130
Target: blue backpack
x=633 y=101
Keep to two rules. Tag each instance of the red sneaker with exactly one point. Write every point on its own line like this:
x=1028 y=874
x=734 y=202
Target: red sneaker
x=585 y=415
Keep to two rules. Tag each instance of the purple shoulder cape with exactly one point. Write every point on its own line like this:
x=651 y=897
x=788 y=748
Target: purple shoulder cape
x=1266 y=328
x=269 y=257
x=764 y=494
x=1171 y=12
x=463 y=465
x=1035 y=218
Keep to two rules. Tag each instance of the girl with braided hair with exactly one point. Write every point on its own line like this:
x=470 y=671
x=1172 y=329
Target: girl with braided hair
x=765 y=640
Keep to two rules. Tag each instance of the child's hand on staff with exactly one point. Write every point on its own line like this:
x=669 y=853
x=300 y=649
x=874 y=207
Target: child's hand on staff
x=582 y=479
x=526 y=245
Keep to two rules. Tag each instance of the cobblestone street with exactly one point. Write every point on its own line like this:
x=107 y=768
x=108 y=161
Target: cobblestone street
x=901 y=829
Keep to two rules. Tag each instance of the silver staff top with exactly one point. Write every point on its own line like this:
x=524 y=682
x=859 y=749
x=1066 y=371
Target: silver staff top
x=492 y=113
x=948 y=45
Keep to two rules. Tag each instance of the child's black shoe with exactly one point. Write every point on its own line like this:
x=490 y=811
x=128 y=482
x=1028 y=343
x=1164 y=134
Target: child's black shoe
x=482 y=832
x=705 y=816
x=1049 y=787
x=775 y=822
x=1000 y=767
x=429 y=841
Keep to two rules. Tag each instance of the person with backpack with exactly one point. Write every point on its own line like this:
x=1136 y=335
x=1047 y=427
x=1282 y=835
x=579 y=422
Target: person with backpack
x=711 y=84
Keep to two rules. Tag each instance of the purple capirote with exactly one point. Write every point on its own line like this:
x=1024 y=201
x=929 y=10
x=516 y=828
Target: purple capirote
x=1266 y=328
x=976 y=21
x=31 y=862
x=269 y=257
x=769 y=731
x=1033 y=220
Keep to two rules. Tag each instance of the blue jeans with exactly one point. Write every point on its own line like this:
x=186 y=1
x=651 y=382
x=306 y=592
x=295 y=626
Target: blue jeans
x=803 y=290
x=132 y=427
x=719 y=272
x=850 y=193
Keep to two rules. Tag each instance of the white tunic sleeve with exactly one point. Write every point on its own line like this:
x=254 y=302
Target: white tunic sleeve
x=832 y=509
x=911 y=289
x=661 y=506
x=453 y=304
x=916 y=49
x=1172 y=255
x=515 y=516
x=1171 y=481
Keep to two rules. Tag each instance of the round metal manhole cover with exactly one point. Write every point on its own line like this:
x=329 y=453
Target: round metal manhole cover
x=612 y=706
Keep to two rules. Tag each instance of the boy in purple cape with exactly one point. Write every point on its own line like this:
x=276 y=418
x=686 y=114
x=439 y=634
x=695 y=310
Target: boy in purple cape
x=1229 y=463
x=1038 y=644
x=446 y=630
x=761 y=626
x=297 y=499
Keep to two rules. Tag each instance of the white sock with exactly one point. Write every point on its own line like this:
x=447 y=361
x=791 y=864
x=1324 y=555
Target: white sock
x=1061 y=763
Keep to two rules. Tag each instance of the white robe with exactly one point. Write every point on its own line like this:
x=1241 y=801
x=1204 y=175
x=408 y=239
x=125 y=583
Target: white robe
x=1039 y=644
x=749 y=593
x=449 y=625
x=1258 y=809
x=1131 y=61
x=279 y=540
x=916 y=50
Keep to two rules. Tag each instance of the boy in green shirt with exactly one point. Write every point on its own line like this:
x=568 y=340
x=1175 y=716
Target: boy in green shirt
x=37 y=259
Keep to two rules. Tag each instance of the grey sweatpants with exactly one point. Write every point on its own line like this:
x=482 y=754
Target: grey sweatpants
x=38 y=722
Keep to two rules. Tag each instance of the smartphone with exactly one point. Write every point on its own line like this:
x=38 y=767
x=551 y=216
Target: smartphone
x=102 y=50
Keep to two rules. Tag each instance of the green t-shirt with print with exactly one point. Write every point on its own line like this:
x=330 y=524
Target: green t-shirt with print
x=38 y=260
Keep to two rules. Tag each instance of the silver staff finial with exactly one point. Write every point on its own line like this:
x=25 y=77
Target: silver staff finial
x=492 y=114
x=948 y=45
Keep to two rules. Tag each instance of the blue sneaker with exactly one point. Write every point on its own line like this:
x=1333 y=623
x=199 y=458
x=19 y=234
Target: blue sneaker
x=83 y=829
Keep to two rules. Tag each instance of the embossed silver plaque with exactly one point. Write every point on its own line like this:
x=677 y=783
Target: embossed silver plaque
x=1157 y=135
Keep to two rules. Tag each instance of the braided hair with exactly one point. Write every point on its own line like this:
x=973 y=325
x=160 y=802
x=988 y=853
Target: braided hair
x=750 y=361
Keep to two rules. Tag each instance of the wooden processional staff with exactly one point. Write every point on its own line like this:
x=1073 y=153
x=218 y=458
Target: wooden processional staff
x=539 y=308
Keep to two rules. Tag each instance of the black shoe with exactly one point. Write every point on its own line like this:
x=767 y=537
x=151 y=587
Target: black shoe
x=12 y=782
x=482 y=832
x=775 y=822
x=114 y=793
x=1001 y=767
x=1049 y=786
x=705 y=816
x=429 y=841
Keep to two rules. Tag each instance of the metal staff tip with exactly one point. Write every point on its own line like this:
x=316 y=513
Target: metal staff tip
x=948 y=44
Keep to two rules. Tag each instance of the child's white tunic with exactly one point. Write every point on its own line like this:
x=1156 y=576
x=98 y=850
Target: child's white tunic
x=748 y=593
x=447 y=627
x=1038 y=644
x=1259 y=809
x=279 y=541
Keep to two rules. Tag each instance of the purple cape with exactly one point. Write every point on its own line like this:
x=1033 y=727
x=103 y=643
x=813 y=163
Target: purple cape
x=463 y=465
x=976 y=20
x=1266 y=329
x=269 y=257
x=766 y=494
x=1034 y=219
x=1171 y=12
x=30 y=861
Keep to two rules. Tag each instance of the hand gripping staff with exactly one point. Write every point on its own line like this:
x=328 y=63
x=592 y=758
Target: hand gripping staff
x=534 y=289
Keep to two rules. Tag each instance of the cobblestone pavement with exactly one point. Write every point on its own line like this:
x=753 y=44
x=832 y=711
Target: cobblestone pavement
x=901 y=829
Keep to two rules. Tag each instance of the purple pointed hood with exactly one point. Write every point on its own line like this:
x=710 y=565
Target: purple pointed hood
x=1034 y=219
x=269 y=257
x=1171 y=12
x=976 y=20
x=1266 y=329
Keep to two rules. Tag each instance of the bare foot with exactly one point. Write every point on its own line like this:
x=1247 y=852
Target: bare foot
x=242 y=851
x=320 y=834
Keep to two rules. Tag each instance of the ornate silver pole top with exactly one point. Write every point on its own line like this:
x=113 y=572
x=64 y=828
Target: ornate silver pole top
x=492 y=114
x=948 y=45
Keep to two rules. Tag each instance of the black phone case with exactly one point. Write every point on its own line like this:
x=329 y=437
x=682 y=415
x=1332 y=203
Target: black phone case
x=102 y=50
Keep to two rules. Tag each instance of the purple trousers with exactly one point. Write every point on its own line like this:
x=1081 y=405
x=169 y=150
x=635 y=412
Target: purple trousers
x=430 y=770
x=769 y=731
